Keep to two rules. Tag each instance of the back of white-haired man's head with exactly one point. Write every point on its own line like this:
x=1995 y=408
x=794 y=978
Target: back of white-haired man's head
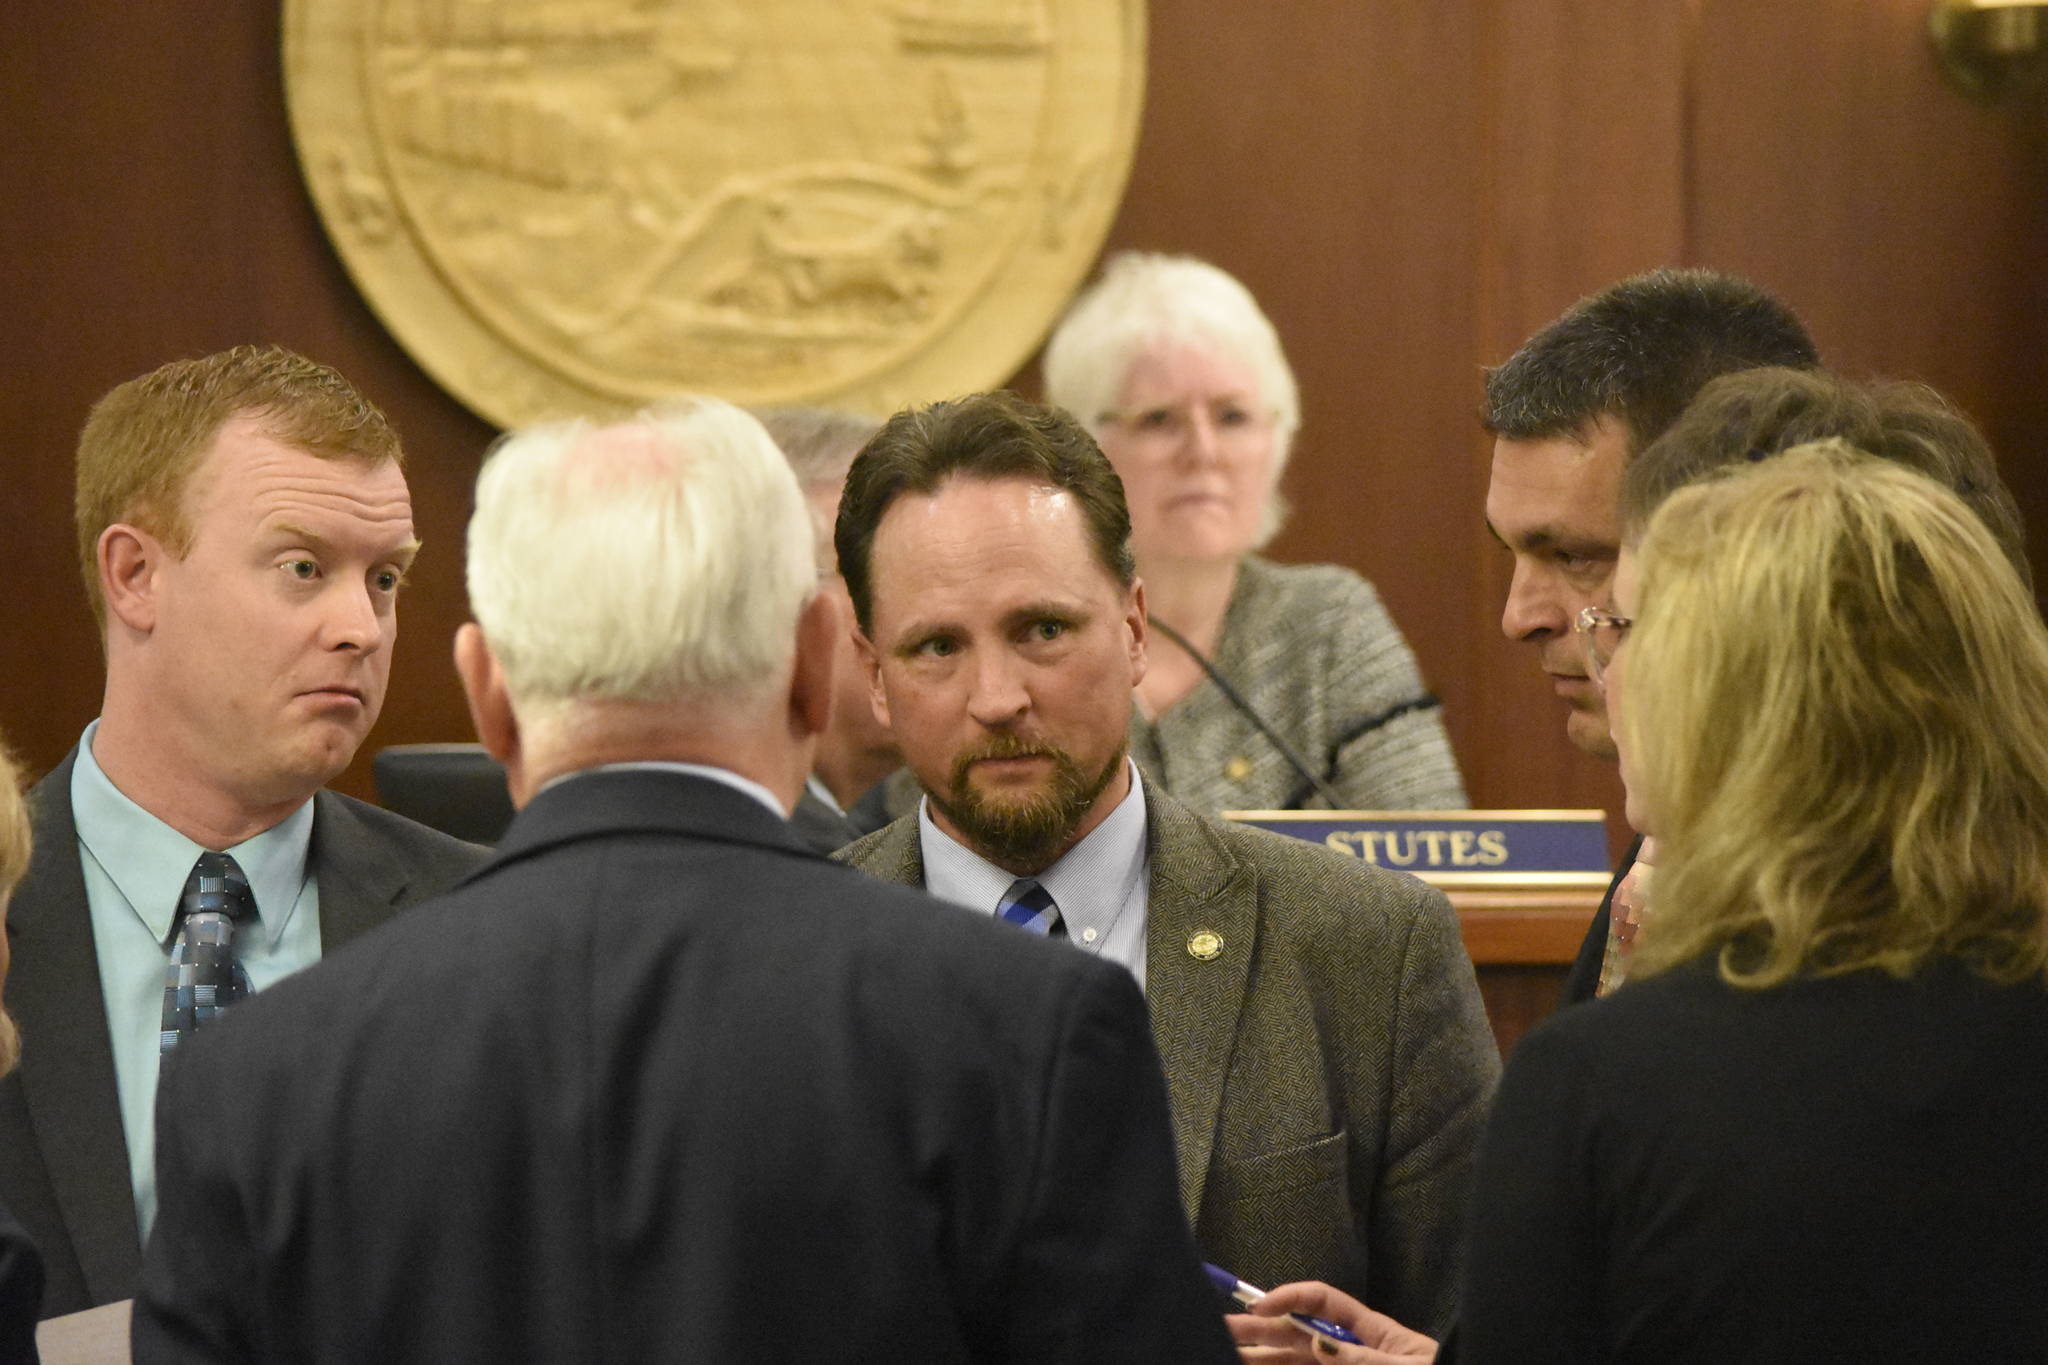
x=626 y=576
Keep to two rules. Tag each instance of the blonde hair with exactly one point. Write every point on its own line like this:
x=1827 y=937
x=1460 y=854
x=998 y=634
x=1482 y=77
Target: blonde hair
x=662 y=558
x=1837 y=714
x=14 y=855
x=1146 y=300
x=143 y=440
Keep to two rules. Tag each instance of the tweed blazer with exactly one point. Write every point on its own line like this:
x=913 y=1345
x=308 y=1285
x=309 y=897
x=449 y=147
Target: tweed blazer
x=63 y=1152
x=1313 y=650
x=1329 y=1068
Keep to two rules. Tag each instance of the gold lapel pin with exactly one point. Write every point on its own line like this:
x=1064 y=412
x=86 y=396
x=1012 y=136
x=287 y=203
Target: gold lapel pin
x=1205 y=945
x=1238 y=768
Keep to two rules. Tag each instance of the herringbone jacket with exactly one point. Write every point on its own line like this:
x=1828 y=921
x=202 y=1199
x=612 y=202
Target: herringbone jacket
x=1329 y=1066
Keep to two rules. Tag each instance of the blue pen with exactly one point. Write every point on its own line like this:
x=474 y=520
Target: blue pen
x=1245 y=1294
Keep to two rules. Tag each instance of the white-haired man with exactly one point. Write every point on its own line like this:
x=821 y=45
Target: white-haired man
x=658 y=1083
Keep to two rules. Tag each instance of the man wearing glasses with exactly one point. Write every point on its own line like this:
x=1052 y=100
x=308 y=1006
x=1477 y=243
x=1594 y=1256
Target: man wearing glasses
x=1568 y=412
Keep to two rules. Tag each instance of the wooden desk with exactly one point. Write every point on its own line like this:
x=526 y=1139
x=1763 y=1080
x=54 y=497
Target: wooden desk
x=1523 y=944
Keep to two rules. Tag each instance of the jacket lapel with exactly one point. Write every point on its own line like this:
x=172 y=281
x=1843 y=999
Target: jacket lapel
x=1195 y=983
x=359 y=881
x=67 y=1066
x=891 y=854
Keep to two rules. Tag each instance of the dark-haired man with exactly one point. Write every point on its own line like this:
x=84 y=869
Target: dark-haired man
x=1568 y=411
x=1326 y=1051
x=243 y=527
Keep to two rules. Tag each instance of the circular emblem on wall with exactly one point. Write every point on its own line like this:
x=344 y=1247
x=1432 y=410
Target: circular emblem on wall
x=581 y=206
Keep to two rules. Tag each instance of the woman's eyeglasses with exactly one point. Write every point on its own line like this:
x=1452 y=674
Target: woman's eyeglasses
x=1603 y=632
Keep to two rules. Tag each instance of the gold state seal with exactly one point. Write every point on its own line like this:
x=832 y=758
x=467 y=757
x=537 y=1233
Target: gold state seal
x=580 y=206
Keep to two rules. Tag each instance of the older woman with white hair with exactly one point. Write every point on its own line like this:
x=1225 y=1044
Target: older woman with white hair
x=1274 y=686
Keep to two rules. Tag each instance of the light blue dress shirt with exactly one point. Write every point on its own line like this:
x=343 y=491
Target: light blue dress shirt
x=135 y=868
x=1101 y=885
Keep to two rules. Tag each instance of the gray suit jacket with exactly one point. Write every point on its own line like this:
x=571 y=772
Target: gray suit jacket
x=1329 y=1068
x=63 y=1152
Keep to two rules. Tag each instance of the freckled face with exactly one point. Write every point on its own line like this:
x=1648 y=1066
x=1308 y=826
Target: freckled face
x=1554 y=504
x=1003 y=655
x=271 y=643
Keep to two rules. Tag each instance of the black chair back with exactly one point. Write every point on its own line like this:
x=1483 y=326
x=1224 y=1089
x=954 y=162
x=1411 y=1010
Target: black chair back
x=455 y=788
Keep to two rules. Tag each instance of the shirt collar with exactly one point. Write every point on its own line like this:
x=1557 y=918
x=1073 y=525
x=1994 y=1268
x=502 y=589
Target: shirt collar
x=815 y=785
x=149 y=862
x=1090 y=883
x=724 y=776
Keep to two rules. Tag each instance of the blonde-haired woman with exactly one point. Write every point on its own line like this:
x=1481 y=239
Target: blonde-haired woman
x=1809 y=1127
x=21 y=1268
x=1268 y=686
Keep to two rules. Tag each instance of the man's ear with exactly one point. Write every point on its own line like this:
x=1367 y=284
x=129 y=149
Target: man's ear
x=126 y=559
x=1134 y=621
x=490 y=704
x=871 y=664
x=817 y=651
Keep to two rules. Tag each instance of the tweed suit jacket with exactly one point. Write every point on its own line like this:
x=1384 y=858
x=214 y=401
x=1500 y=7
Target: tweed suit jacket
x=1329 y=1068
x=1311 y=648
x=64 y=1169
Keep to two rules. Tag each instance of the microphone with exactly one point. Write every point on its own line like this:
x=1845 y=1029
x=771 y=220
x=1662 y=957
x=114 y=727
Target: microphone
x=1315 y=782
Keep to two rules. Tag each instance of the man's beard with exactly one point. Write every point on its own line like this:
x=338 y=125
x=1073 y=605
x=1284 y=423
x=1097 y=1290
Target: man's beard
x=10 y=1042
x=1026 y=834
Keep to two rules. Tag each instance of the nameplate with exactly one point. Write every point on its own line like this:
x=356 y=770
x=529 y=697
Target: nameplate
x=1458 y=848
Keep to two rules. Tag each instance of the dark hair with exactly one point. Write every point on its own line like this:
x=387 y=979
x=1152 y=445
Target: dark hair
x=1742 y=418
x=1638 y=351
x=984 y=436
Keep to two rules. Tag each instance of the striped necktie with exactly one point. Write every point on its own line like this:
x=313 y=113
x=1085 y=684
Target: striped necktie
x=205 y=977
x=1030 y=906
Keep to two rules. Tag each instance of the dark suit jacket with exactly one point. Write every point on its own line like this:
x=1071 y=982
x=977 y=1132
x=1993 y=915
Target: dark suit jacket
x=63 y=1152
x=21 y=1293
x=819 y=827
x=1329 y=1069
x=659 y=1084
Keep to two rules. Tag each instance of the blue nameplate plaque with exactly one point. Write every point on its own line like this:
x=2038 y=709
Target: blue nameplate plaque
x=1454 y=848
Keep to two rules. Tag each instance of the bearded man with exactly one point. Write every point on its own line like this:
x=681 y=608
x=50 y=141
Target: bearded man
x=1328 y=1058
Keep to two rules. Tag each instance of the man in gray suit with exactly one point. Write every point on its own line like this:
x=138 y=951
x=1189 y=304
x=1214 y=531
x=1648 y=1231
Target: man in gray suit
x=1327 y=1055
x=243 y=527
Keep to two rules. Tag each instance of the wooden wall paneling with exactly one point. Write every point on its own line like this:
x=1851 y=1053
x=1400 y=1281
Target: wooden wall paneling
x=1583 y=185
x=1834 y=165
x=156 y=211
x=1409 y=189
x=1330 y=162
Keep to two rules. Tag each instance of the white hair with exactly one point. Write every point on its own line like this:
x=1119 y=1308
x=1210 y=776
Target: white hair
x=1147 y=300
x=664 y=558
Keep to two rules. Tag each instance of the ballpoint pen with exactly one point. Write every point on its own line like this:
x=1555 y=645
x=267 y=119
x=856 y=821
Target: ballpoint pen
x=1245 y=1294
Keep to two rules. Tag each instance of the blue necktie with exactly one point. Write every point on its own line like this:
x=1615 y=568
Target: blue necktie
x=1030 y=907
x=204 y=977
